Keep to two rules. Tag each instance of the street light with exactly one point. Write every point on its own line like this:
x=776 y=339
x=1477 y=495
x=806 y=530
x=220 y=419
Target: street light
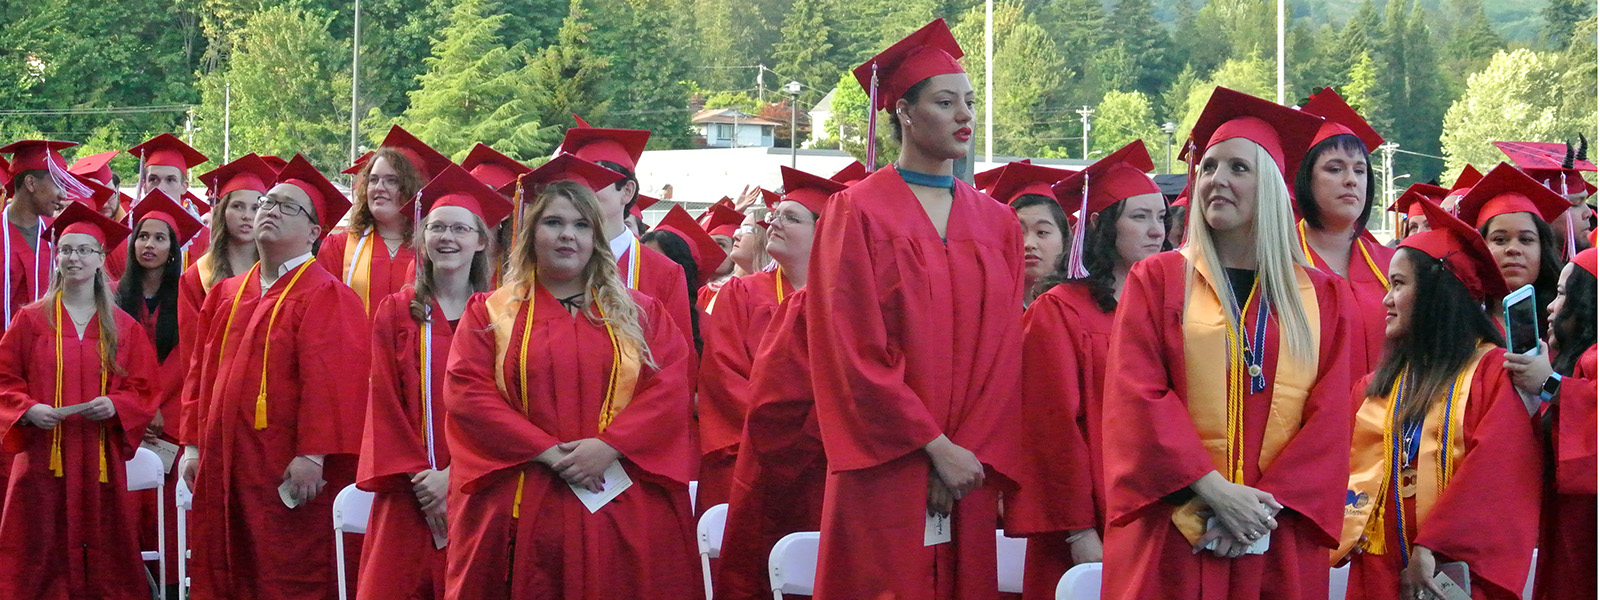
x=1169 y=128
x=793 y=88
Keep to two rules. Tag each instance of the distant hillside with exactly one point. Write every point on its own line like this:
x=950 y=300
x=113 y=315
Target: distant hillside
x=1517 y=20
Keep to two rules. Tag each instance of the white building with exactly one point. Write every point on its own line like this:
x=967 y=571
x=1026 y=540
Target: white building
x=819 y=115
x=734 y=128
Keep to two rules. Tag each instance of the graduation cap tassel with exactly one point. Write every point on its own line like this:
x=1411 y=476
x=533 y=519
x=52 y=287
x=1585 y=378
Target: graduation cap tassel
x=68 y=184
x=872 y=121
x=1075 y=269
x=1572 y=240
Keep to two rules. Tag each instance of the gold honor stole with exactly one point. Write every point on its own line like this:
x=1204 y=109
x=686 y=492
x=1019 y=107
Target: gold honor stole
x=358 y=266
x=1375 y=449
x=1215 y=367
x=503 y=306
x=207 y=265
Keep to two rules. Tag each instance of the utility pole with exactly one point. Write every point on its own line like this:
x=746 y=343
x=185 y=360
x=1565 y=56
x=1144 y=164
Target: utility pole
x=1388 y=171
x=794 y=114
x=227 y=121
x=761 y=83
x=1085 y=112
x=1280 y=51
x=1168 y=128
x=355 y=80
x=188 y=126
x=988 y=81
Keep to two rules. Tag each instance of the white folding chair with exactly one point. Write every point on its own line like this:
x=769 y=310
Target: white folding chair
x=145 y=472
x=350 y=511
x=1527 y=588
x=1081 y=582
x=709 y=535
x=185 y=503
x=1338 y=582
x=1010 y=553
x=694 y=495
x=792 y=567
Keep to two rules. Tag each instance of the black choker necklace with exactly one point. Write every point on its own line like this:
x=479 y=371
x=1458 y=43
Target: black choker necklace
x=926 y=179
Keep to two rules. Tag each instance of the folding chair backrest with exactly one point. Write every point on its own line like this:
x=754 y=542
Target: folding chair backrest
x=709 y=531
x=1081 y=582
x=792 y=567
x=145 y=470
x=351 y=508
x=1009 y=555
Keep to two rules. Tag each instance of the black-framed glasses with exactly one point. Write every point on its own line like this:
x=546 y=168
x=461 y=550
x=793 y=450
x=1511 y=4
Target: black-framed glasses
x=85 y=251
x=286 y=207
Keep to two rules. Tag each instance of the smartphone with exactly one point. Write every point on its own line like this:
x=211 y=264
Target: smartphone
x=1522 y=321
x=1455 y=579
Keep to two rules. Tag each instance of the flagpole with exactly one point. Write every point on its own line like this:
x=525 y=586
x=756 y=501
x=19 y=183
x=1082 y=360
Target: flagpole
x=1280 y=51
x=988 y=81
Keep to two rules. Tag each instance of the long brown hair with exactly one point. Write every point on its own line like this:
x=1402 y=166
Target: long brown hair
x=600 y=274
x=221 y=239
x=361 y=219
x=478 y=279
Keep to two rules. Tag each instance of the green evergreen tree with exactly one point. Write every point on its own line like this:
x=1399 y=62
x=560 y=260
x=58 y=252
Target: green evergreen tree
x=1123 y=117
x=1561 y=18
x=569 y=77
x=649 y=65
x=1028 y=78
x=1511 y=99
x=808 y=53
x=1146 y=42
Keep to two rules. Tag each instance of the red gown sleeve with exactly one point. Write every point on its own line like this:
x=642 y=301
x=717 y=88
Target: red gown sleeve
x=1488 y=514
x=134 y=393
x=331 y=253
x=656 y=430
x=1305 y=476
x=1575 y=429
x=14 y=397
x=391 y=447
x=675 y=303
x=485 y=432
x=194 y=408
x=334 y=359
x=1157 y=449
x=724 y=378
x=1056 y=485
x=868 y=412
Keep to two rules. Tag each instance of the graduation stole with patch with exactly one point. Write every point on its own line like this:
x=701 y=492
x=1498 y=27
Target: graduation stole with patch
x=503 y=306
x=266 y=347
x=1222 y=358
x=1305 y=246
x=358 y=266
x=56 y=466
x=1381 y=479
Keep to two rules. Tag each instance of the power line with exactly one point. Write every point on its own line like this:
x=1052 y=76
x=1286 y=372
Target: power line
x=115 y=110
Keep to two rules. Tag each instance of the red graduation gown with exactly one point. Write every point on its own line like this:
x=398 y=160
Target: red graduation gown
x=385 y=275
x=660 y=278
x=1567 y=534
x=1158 y=452
x=27 y=271
x=1065 y=339
x=779 y=473
x=246 y=544
x=1488 y=513
x=1366 y=308
x=744 y=307
x=72 y=536
x=399 y=559
x=922 y=339
x=167 y=390
x=640 y=545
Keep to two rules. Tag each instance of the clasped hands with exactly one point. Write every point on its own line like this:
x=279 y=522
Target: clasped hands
x=47 y=417
x=1243 y=515
x=581 y=463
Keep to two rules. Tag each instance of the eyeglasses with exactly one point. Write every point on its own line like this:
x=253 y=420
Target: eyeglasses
x=746 y=230
x=785 y=219
x=388 y=181
x=457 y=230
x=287 y=207
x=85 y=251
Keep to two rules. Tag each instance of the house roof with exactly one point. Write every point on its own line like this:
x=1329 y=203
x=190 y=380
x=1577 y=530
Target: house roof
x=730 y=115
x=824 y=105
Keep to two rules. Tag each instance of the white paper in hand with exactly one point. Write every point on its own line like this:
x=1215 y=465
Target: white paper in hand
x=616 y=482
x=286 y=494
x=936 y=530
x=168 y=452
x=1259 y=547
x=67 y=411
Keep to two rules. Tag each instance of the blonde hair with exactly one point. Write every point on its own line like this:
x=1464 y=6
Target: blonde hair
x=1277 y=251
x=599 y=275
x=762 y=259
x=105 y=307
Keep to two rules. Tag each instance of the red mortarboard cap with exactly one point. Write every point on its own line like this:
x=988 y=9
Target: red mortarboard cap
x=5 y=169
x=276 y=162
x=1463 y=251
x=1112 y=179
x=928 y=52
x=1019 y=179
x=422 y=156
x=1541 y=155
x=167 y=150
x=454 y=186
x=1340 y=119
x=720 y=217
x=353 y=169
x=1562 y=181
x=248 y=172
x=330 y=202
x=1284 y=132
x=1410 y=203
x=595 y=144
x=644 y=202
x=579 y=120
x=707 y=254
x=79 y=218
x=1507 y=190
x=851 y=173
x=1470 y=176
x=1586 y=261
x=31 y=155
x=569 y=167
x=809 y=190
x=770 y=199
x=95 y=166
x=200 y=206
x=157 y=205
x=494 y=169
x=984 y=180
x=103 y=193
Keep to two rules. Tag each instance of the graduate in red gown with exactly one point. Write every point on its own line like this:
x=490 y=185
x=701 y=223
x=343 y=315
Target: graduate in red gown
x=1222 y=427
x=275 y=419
x=105 y=198
x=564 y=380
x=641 y=268
x=1410 y=208
x=722 y=222
x=1333 y=196
x=148 y=291
x=744 y=307
x=1560 y=168
x=35 y=185
x=405 y=457
x=1025 y=187
x=373 y=254
x=234 y=189
x=1444 y=462
x=1060 y=507
x=916 y=279
x=164 y=165
x=1565 y=384
x=1511 y=211
x=500 y=173
x=71 y=528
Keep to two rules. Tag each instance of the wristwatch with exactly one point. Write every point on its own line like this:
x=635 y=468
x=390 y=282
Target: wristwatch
x=1552 y=386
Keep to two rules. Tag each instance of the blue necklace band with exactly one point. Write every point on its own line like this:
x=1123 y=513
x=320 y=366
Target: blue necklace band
x=926 y=179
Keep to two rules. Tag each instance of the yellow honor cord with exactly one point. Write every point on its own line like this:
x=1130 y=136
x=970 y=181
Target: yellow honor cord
x=261 y=395
x=57 y=466
x=777 y=275
x=1305 y=246
x=1236 y=386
